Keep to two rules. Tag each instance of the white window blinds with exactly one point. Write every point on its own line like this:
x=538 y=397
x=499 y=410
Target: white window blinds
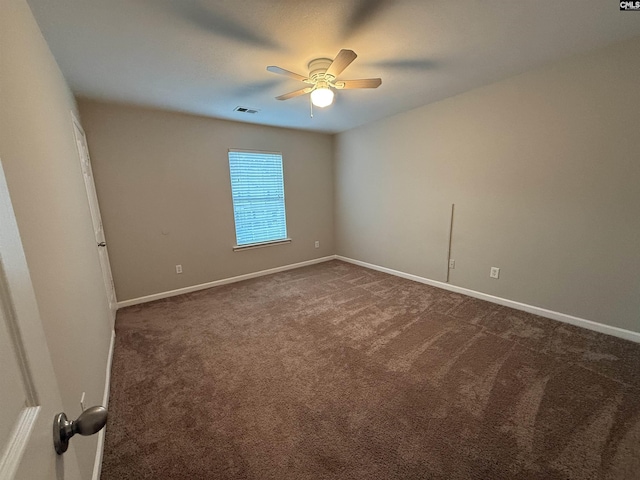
x=257 y=189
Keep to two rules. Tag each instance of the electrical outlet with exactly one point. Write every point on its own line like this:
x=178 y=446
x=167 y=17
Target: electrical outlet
x=178 y=268
x=317 y=243
x=495 y=272
x=452 y=263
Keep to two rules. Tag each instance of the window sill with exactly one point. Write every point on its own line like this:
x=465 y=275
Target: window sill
x=251 y=246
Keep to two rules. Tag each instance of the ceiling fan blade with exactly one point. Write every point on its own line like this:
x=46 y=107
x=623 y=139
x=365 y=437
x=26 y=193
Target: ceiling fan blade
x=286 y=73
x=364 y=83
x=342 y=61
x=214 y=21
x=365 y=11
x=297 y=93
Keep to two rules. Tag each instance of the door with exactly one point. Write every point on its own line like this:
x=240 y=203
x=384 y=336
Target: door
x=29 y=395
x=101 y=244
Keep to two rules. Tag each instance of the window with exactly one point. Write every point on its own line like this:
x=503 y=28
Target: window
x=257 y=190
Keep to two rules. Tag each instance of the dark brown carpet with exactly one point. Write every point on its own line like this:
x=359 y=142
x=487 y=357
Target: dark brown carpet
x=338 y=372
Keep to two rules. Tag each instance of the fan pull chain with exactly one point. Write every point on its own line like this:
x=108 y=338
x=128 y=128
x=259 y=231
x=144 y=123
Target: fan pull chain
x=310 y=106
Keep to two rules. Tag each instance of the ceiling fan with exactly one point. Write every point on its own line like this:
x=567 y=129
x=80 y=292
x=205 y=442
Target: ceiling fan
x=323 y=73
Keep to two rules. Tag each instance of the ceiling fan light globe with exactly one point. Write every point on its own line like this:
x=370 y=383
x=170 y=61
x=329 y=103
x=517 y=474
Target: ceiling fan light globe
x=322 y=97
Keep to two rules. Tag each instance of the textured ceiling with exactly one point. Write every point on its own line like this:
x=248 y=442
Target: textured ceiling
x=209 y=56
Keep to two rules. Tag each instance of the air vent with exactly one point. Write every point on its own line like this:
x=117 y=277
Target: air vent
x=245 y=110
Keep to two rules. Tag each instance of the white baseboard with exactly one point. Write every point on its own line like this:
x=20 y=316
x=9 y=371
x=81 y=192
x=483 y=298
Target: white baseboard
x=224 y=281
x=543 y=312
x=97 y=464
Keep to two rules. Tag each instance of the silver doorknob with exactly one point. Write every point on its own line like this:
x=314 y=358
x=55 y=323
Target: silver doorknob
x=89 y=422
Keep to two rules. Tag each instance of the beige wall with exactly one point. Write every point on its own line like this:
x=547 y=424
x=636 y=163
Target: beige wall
x=163 y=184
x=544 y=170
x=41 y=164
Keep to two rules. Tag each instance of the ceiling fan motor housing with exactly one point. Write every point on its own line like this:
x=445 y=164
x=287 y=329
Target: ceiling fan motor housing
x=317 y=69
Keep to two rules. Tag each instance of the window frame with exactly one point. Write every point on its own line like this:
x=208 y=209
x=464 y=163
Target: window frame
x=268 y=243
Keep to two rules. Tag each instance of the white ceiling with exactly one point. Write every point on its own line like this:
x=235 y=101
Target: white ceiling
x=209 y=56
